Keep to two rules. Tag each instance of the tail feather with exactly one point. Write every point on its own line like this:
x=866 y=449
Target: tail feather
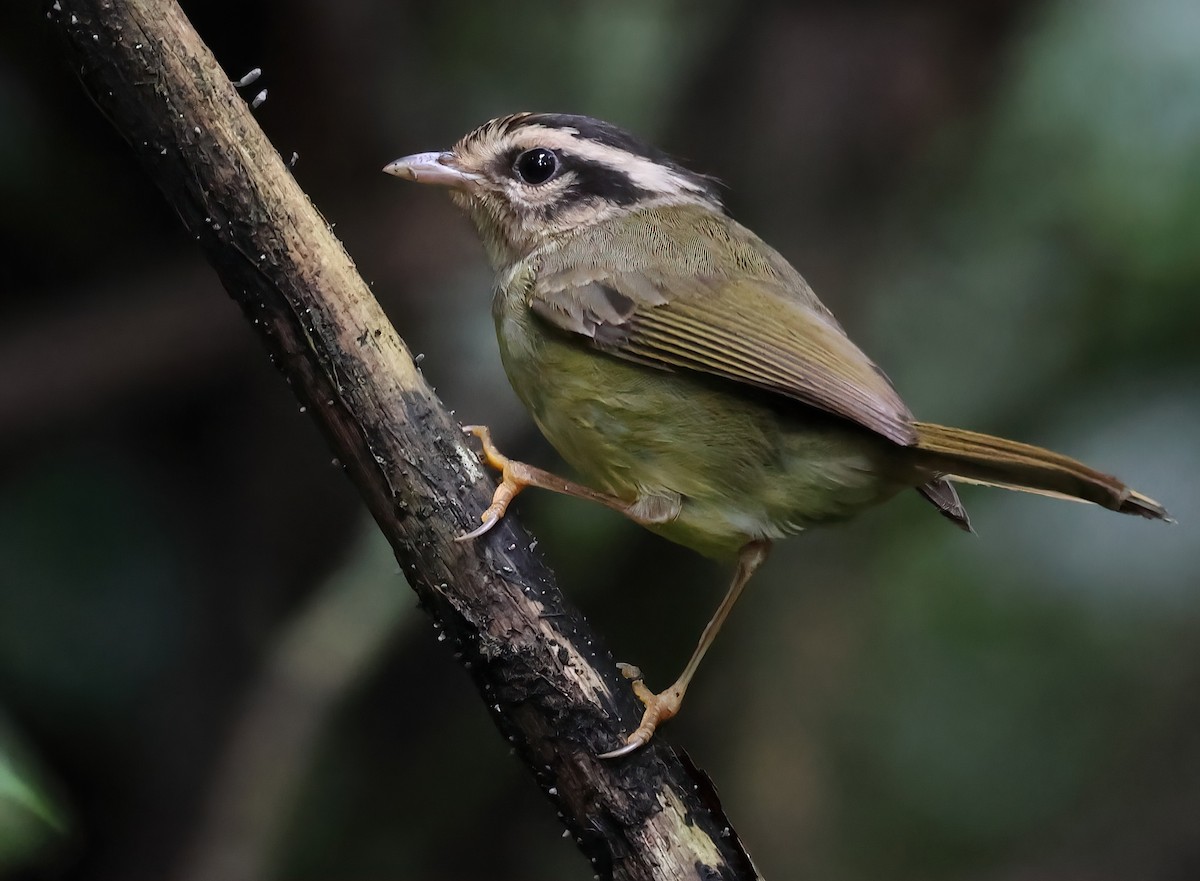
x=971 y=457
x=941 y=493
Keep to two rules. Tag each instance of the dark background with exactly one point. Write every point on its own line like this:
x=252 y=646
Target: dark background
x=209 y=666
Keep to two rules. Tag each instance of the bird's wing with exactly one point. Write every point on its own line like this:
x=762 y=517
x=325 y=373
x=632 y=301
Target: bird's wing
x=749 y=330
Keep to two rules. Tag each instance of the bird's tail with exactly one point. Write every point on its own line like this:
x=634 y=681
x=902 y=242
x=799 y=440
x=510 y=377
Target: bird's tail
x=971 y=457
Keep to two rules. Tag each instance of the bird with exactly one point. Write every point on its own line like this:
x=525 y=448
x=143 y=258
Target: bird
x=686 y=371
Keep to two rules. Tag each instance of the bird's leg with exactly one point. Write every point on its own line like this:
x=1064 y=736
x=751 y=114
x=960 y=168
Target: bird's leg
x=516 y=476
x=662 y=706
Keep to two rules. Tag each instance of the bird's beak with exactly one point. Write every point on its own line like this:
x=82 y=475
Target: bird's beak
x=432 y=168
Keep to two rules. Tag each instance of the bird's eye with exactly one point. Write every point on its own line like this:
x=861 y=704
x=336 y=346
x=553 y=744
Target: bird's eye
x=536 y=166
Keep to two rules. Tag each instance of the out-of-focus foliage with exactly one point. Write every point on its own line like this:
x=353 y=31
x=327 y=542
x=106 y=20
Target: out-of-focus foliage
x=31 y=822
x=1001 y=200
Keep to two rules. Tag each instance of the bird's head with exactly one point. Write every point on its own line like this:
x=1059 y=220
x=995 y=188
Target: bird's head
x=527 y=178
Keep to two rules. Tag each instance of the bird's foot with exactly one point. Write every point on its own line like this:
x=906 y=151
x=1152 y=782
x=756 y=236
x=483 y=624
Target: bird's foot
x=659 y=708
x=515 y=476
x=513 y=479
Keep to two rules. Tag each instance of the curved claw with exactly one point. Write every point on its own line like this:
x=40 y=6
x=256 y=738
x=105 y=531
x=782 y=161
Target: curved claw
x=490 y=519
x=633 y=743
x=659 y=708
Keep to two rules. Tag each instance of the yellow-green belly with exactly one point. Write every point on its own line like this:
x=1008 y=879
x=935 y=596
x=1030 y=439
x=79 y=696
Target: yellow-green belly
x=744 y=466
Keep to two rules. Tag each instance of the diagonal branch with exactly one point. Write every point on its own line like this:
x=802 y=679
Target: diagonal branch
x=532 y=657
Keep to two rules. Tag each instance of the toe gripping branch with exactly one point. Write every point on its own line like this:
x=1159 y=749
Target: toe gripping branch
x=509 y=488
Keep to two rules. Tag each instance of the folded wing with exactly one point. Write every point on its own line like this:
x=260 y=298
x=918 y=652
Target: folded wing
x=746 y=330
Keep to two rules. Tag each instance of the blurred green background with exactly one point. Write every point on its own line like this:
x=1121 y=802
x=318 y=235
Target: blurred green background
x=210 y=668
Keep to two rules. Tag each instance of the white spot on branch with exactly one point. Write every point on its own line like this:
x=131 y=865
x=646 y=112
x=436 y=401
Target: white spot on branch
x=249 y=79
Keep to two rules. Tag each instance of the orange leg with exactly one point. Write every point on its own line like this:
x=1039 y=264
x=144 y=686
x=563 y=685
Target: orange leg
x=662 y=706
x=516 y=476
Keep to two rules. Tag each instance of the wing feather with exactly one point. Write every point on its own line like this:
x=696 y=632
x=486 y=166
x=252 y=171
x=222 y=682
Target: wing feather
x=748 y=330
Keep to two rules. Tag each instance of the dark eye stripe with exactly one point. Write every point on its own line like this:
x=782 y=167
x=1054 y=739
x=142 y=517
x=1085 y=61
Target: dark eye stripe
x=597 y=180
